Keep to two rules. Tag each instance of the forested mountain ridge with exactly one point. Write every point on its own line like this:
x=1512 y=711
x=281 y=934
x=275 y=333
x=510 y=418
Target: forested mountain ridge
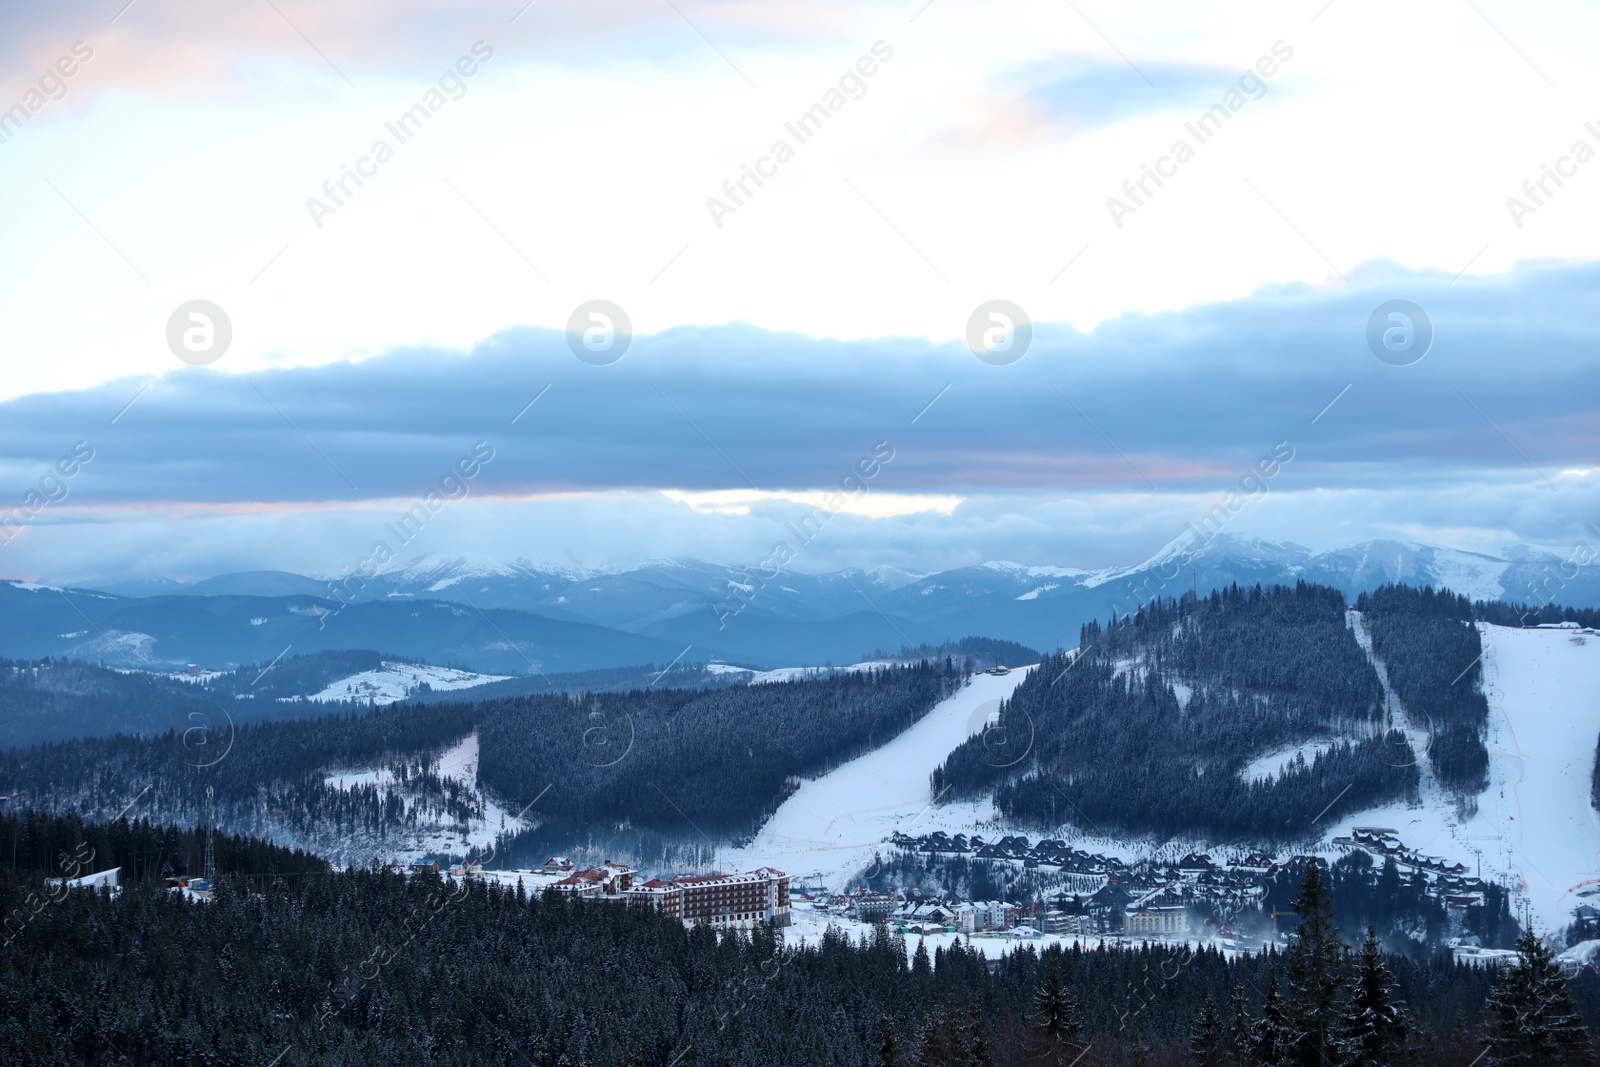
x=54 y=699
x=673 y=763
x=35 y=844
x=1146 y=728
x=714 y=762
x=1432 y=653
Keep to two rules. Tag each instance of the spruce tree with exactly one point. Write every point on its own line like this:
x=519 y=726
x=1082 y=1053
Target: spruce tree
x=889 y=1044
x=1273 y=1040
x=1241 y=1031
x=974 y=1042
x=1206 y=1037
x=1316 y=967
x=1374 y=1026
x=1532 y=1019
x=921 y=967
x=1055 y=1008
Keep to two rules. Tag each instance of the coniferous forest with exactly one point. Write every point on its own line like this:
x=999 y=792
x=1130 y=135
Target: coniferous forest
x=1149 y=725
x=672 y=761
x=1432 y=652
x=367 y=967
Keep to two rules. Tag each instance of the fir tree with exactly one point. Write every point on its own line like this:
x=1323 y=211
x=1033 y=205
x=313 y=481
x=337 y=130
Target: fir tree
x=1374 y=1026
x=975 y=1043
x=1206 y=1037
x=1316 y=966
x=1532 y=1019
x=1241 y=1031
x=889 y=1043
x=1055 y=1008
x=1273 y=1040
x=921 y=967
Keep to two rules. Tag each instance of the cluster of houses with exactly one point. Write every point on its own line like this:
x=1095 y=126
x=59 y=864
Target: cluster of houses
x=914 y=913
x=1450 y=880
x=1161 y=897
x=1094 y=895
x=1111 y=896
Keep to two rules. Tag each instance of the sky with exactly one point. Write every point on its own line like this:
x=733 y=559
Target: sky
x=1197 y=220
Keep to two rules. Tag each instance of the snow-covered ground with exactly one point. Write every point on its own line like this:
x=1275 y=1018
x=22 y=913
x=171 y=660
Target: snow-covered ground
x=1535 y=829
x=829 y=829
x=397 y=681
x=809 y=926
x=1272 y=764
x=436 y=834
x=793 y=674
x=1534 y=825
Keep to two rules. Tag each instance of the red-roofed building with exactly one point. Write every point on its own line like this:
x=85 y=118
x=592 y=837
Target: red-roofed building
x=579 y=886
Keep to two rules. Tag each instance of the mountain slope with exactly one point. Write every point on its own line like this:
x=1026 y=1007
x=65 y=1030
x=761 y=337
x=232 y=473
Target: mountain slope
x=231 y=630
x=735 y=612
x=1533 y=824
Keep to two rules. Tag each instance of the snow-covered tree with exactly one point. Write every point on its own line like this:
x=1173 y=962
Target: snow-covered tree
x=1055 y=1008
x=1532 y=1018
x=1206 y=1038
x=1374 y=1026
x=889 y=1054
x=1273 y=1040
x=1316 y=966
x=1241 y=1031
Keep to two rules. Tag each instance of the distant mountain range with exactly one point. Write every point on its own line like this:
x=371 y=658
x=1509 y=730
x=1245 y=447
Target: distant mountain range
x=515 y=617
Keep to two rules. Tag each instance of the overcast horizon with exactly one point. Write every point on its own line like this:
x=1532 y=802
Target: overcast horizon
x=666 y=277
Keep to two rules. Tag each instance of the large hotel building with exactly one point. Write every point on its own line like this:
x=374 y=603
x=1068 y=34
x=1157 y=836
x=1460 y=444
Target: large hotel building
x=724 y=901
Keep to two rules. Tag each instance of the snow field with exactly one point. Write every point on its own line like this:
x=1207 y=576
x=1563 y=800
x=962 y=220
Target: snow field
x=397 y=681
x=830 y=827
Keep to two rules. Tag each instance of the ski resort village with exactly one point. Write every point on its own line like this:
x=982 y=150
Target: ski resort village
x=875 y=847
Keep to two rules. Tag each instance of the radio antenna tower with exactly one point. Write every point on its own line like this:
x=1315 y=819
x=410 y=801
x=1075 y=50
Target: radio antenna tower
x=211 y=822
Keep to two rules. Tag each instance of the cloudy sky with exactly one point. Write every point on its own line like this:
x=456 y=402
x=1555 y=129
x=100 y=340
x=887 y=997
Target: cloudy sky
x=398 y=208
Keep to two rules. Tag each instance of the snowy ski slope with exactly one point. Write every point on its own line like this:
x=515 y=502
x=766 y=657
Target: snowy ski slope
x=1535 y=828
x=830 y=828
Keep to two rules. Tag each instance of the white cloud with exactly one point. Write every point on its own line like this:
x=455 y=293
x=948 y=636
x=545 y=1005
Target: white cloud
x=598 y=172
x=870 y=505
